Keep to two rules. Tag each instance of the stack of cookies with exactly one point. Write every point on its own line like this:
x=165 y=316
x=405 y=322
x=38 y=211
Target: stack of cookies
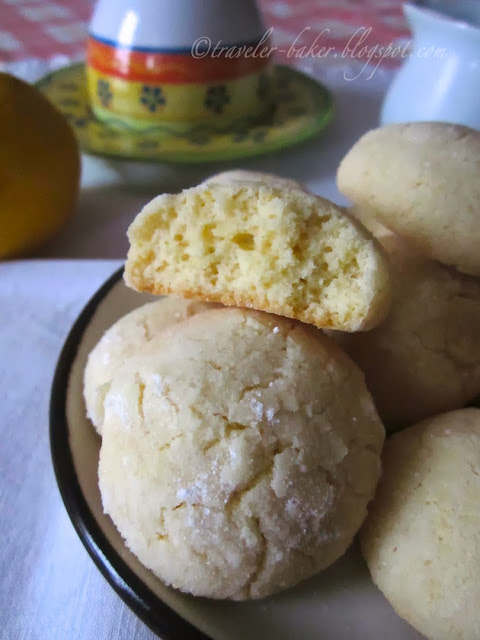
x=417 y=188
x=242 y=415
x=240 y=445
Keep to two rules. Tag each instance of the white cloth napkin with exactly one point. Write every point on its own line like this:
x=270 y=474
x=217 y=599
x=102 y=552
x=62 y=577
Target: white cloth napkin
x=49 y=587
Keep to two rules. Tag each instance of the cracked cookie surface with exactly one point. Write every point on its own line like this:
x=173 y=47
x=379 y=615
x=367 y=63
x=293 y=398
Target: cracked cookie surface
x=421 y=539
x=239 y=454
x=125 y=338
x=425 y=357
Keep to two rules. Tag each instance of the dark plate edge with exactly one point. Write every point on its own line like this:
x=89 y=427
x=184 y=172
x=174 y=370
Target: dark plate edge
x=157 y=615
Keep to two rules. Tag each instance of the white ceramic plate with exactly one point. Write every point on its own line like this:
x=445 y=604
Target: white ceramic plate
x=339 y=604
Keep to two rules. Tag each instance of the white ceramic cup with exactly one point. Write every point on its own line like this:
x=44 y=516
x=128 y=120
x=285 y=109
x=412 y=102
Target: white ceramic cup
x=175 y=24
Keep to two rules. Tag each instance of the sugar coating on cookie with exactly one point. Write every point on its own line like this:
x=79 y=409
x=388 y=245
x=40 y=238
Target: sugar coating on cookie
x=425 y=357
x=125 y=338
x=421 y=539
x=242 y=175
x=239 y=453
x=421 y=180
x=269 y=248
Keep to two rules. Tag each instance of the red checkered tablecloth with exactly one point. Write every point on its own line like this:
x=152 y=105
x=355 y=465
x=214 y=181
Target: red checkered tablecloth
x=42 y=29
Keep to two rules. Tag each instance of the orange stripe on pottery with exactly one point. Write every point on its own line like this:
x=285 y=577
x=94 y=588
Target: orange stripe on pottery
x=138 y=66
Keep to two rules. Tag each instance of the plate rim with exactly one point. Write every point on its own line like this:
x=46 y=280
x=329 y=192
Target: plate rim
x=154 y=612
x=321 y=123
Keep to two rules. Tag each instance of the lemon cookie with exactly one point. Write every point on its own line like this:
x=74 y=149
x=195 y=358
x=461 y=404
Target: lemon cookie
x=425 y=357
x=125 y=338
x=421 y=539
x=422 y=181
x=231 y=462
x=255 y=245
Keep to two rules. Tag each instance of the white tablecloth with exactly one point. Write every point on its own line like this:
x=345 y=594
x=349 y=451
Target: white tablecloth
x=49 y=587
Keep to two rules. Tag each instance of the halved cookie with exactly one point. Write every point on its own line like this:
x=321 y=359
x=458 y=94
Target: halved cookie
x=271 y=248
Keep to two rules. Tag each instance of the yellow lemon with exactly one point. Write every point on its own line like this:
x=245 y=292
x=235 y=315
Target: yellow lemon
x=39 y=167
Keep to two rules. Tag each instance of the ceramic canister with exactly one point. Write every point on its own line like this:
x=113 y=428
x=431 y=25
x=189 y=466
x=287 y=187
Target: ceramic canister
x=178 y=62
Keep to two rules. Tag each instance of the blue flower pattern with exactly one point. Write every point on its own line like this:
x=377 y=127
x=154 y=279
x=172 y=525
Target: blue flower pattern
x=152 y=98
x=104 y=92
x=217 y=98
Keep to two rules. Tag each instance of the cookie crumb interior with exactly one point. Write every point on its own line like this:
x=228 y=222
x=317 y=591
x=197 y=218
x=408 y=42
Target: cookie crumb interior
x=280 y=250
